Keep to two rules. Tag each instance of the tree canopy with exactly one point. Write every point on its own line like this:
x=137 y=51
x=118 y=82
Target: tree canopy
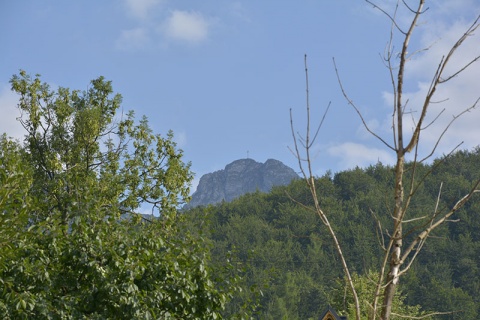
x=73 y=241
x=74 y=244
x=286 y=253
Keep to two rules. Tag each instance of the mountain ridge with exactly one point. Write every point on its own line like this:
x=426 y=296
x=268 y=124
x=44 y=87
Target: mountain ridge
x=240 y=177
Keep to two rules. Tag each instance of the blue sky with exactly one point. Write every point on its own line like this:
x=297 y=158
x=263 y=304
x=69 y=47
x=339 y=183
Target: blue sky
x=224 y=74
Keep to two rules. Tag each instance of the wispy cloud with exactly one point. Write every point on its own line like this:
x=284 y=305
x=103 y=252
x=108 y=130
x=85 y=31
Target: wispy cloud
x=436 y=33
x=159 y=24
x=133 y=39
x=457 y=8
x=452 y=97
x=140 y=9
x=191 y=27
x=351 y=154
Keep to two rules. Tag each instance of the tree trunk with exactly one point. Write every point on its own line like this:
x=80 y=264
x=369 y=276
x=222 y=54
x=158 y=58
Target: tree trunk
x=396 y=240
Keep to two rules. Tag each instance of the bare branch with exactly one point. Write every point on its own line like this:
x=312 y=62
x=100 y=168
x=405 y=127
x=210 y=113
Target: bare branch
x=433 y=121
x=460 y=203
x=395 y=263
x=401 y=70
x=438 y=197
x=379 y=230
x=437 y=79
x=307 y=95
x=350 y=102
x=414 y=219
x=467 y=33
x=424 y=177
x=392 y=79
x=297 y=152
x=447 y=127
x=300 y=203
x=412 y=10
x=321 y=123
x=419 y=51
x=392 y=19
x=310 y=181
x=428 y=315
x=459 y=71
x=417 y=251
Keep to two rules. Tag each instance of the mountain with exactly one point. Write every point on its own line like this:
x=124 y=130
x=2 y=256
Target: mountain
x=240 y=177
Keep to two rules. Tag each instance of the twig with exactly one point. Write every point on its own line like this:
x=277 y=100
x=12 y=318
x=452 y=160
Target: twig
x=350 y=102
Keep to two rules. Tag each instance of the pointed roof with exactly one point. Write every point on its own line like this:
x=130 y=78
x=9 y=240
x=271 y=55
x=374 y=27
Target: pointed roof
x=331 y=314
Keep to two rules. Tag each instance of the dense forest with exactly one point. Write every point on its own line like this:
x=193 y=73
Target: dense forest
x=290 y=269
x=74 y=244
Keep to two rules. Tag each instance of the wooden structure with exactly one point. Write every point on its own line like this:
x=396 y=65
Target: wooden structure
x=331 y=314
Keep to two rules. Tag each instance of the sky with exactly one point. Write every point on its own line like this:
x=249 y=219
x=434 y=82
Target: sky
x=223 y=75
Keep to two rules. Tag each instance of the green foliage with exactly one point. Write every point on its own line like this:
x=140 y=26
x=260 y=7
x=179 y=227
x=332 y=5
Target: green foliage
x=285 y=252
x=365 y=286
x=73 y=244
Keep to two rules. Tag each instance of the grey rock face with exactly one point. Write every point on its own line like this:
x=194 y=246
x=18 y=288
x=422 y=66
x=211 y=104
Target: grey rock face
x=240 y=177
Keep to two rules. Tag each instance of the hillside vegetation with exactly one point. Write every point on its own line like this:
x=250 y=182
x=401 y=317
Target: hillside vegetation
x=290 y=268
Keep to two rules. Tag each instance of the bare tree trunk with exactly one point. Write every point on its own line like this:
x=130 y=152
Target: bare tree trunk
x=396 y=247
x=395 y=262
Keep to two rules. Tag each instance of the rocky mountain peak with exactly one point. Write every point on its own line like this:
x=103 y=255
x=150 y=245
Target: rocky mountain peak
x=240 y=177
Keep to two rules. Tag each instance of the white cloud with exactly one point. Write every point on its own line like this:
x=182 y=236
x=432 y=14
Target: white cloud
x=438 y=31
x=455 y=8
x=458 y=94
x=10 y=113
x=185 y=26
x=133 y=39
x=141 y=8
x=352 y=154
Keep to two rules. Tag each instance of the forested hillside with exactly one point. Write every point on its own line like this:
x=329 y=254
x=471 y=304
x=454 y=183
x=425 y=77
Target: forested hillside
x=94 y=221
x=291 y=269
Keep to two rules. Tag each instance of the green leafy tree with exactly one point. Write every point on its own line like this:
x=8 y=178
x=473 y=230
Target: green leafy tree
x=365 y=286
x=73 y=241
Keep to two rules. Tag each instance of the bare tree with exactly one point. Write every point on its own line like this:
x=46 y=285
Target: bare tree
x=398 y=253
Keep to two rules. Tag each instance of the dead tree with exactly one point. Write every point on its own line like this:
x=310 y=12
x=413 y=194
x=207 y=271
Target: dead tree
x=398 y=254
